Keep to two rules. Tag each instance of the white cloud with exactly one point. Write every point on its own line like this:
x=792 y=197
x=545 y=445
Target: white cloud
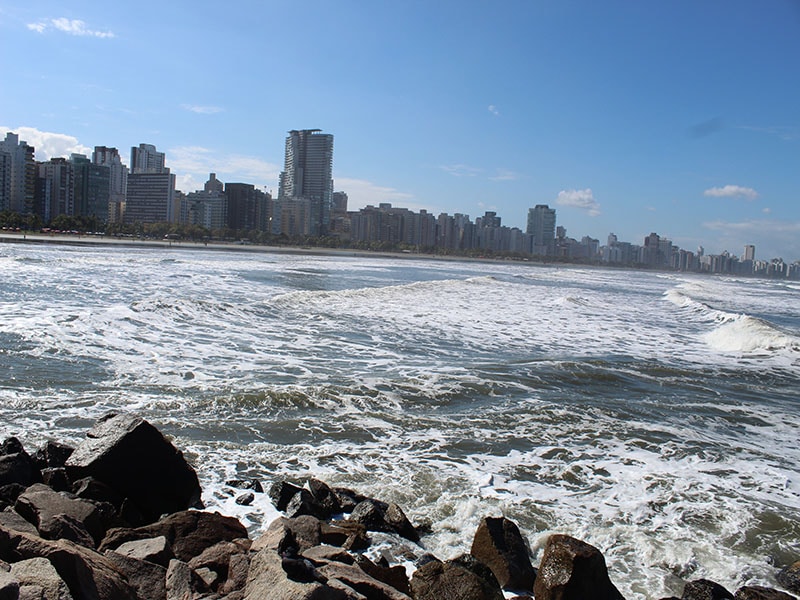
x=772 y=238
x=48 y=144
x=582 y=199
x=731 y=191
x=460 y=170
x=766 y=210
x=70 y=27
x=493 y=109
x=202 y=110
x=505 y=175
x=361 y=193
x=192 y=164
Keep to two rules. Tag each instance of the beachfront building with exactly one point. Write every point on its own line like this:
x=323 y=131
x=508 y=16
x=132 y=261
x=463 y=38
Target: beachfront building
x=118 y=179
x=542 y=229
x=18 y=173
x=92 y=184
x=55 y=189
x=305 y=190
x=151 y=188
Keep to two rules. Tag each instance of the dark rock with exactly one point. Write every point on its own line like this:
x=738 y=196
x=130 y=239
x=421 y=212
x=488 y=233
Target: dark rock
x=499 y=544
x=9 y=586
x=573 y=570
x=135 y=459
x=218 y=558
x=14 y=521
x=281 y=492
x=52 y=455
x=245 y=499
x=299 y=569
x=396 y=519
x=790 y=577
x=755 y=592
x=703 y=589
x=324 y=497
x=394 y=576
x=16 y=465
x=147 y=578
x=41 y=505
x=90 y=488
x=246 y=484
x=267 y=579
x=355 y=578
x=303 y=503
x=346 y=534
x=453 y=580
x=155 y=550
x=348 y=499
x=65 y=527
x=302 y=533
x=320 y=555
x=189 y=532
x=10 y=492
x=56 y=478
x=388 y=518
x=88 y=574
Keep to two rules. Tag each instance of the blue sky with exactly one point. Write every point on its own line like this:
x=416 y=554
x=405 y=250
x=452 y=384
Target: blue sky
x=678 y=117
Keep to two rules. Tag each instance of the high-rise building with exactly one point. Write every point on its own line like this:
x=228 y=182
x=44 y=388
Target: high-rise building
x=749 y=252
x=306 y=183
x=151 y=188
x=542 y=229
x=92 y=184
x=55 y=189
x=118 y=182
x=18 y=174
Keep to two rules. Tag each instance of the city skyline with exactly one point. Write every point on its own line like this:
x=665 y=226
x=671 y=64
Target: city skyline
x=629 y=119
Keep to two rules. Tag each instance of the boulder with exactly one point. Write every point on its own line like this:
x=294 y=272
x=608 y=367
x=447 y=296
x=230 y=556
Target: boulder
x=790 y=577
x=499 y=545
x=396 y=519
x=394 y=576
x=131 y=456
x=353 y=577
x=52 y=455
x=88 y=575
x=755 y=592
x=16 y=465
x=324 y=497
x=14 y=521
x=459 y=579
x=321 y=555
x=9 y=586
x=573 y=570
x=217 y=558
x=348 y=499
x=301 y=533
x=147 y=578
x=346 y=534
x=246 y=484
x=189 y=532
x=156 y=550
x=268 y=579
x=238 y=568
x=703 y=589
x=281 y=493
x=179 y=581
x=46 y=509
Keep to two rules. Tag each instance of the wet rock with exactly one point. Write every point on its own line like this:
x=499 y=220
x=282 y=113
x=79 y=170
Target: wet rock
x=52 y=455
x=246 y=499
x=573 y=570
x=324 y=498
x=131 y=456
x=348 y=499
x=16 y=465
x=396 y=519
x=790 y=577
x=755 y=592
x=499 y=544
x=346 y=534
x=458 y=579
x=703 y=589
x=281 y=493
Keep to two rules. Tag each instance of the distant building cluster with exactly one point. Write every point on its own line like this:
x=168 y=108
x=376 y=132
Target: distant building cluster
x=108 y=192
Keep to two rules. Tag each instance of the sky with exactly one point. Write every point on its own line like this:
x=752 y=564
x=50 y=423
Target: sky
x=680 y=118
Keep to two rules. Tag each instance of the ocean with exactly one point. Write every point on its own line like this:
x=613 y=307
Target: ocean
x=653 y=415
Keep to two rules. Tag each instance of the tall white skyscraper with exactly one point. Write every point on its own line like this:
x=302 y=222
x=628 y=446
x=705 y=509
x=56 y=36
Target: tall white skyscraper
x=306 y=183
x=151 y=188
x=542 y=229
x=17 y=175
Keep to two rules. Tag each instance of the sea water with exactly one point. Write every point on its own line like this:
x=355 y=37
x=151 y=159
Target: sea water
x=652 y=415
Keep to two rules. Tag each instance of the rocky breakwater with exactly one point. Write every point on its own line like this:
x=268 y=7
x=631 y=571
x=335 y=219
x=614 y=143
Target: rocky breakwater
x=119 y=518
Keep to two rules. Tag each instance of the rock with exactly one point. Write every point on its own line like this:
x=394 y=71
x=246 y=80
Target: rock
x=394 y=576
x=42 y=506
x=281 y=493
x=90 y=488
x=703 y=589
x=9 y=586
x=755 y=592
x=370 y=515
x=218 y=558
x=353 y=577
x=238 y=568
x=790 y=577
x=246 y=484
x=246 y=499
x=88 y=575
x=64 y=527
x=324 y=497
x=179 y=581
x=499 y=545
x=136 y=460
x=14 y=521
x=56 y=479
x=189 y=532
x=348 y=499
x=10 y=492
x=267 y=579
x=346 y=534
x=453 y=580
x=52 y=455
x=320 y=555
x=16 y=465
x=147 y=578
x=302 y=532
x=302 y=503
x=396 y=519
x=155 y=550
x=573 y=570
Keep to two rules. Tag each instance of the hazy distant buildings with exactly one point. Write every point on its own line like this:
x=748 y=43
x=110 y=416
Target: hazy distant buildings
x=305 y=189
x=18 y=174
x=542 y=228
x=749 y=252
x=151 y=188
